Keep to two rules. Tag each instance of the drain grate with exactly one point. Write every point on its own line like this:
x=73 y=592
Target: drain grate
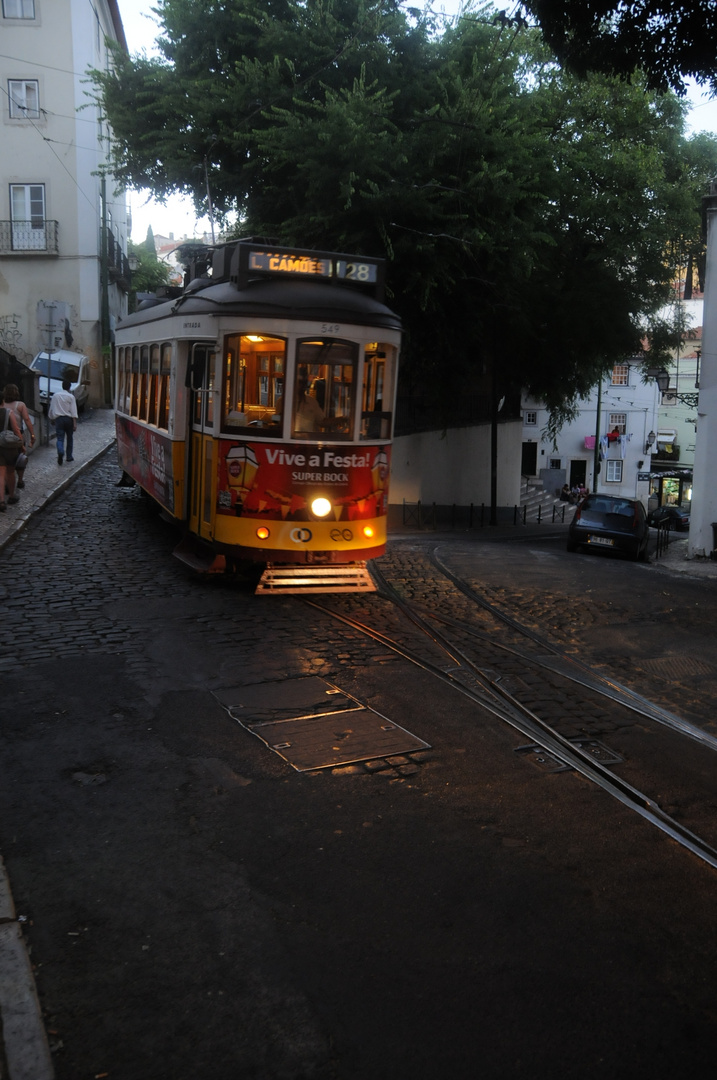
x=313 y=724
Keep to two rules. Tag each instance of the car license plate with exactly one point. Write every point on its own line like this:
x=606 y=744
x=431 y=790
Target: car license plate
x=604 y=540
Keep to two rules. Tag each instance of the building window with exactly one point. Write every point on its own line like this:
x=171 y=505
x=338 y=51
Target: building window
x=18 y=9
x=24 y=96
x=531 y=418
x=27 y=212
x=554 y=463
x=613 y=473
x=617 y=422
x=620 y=374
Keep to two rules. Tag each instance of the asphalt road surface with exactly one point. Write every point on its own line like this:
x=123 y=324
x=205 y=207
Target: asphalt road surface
x=198 y=909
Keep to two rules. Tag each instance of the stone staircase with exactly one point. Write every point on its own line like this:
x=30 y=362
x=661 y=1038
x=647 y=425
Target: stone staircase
x=539 y=503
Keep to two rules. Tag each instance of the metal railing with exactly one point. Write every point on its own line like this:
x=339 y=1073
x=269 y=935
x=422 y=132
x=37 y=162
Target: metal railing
x=38 y=237
x=663 y=538
x=473 y=516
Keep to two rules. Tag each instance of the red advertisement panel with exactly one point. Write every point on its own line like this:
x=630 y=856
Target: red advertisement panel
x=270 y=481
x=146 y=455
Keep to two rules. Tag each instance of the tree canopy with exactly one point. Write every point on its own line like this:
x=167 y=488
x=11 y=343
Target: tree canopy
x=667 y=39
x=533 y=222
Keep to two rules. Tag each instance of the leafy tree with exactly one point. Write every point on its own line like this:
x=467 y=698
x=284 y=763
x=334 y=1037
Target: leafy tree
x=666 y=39
x=150 y=274
x=533 y=222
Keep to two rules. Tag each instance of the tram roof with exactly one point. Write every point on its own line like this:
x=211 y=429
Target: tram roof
x=287 y=299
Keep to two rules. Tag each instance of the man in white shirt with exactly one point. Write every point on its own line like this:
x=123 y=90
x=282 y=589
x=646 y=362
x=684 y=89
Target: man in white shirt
x=63 y=411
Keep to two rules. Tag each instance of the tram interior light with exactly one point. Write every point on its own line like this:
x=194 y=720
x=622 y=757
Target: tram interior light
x=321 y=507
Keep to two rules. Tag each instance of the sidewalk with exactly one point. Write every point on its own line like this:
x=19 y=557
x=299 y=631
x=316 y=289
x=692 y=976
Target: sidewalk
x=44 y=478
x=24 y=1050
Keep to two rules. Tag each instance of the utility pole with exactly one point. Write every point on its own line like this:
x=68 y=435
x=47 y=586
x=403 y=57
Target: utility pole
x=105 y=293
x=704 y=490
x=209 y=197
x=596 y=448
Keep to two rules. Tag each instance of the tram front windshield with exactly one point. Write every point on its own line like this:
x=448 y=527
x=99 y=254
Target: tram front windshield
x=254 y=383
x=324 y=388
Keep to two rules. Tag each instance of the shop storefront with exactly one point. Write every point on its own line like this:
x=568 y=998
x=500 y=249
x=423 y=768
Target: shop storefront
x=672 y=487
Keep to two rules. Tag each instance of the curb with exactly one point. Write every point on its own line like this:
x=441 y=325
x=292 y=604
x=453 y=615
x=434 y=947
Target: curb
x=25 y=1052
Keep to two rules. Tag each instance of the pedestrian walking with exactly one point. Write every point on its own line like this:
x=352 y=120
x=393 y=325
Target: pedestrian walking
x=11 y=393
x=9 y=427
x=63 y=411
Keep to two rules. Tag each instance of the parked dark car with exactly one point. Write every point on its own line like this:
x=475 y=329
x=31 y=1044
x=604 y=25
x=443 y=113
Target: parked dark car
x=610 y=523
x=678 y=519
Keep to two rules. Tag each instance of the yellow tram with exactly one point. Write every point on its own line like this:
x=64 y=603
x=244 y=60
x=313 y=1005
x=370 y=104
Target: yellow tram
x=256 y=407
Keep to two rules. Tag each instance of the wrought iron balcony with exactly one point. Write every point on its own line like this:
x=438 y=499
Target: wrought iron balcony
x=118 y=264
x=36 y=237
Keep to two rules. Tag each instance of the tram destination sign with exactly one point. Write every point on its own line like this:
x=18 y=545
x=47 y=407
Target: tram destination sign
x=252 y=260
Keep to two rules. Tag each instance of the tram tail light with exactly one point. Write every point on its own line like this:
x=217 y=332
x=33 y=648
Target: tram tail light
x=262 y=532
x=368 y=531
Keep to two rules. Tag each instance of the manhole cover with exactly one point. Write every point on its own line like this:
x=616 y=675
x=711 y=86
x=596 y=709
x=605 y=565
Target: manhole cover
x=313 y=724
x=676 y=667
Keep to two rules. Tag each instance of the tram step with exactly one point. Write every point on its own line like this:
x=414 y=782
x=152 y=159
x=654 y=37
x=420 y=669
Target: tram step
x=316 y=579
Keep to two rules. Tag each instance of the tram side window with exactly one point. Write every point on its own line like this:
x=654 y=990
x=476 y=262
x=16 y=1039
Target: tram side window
x=134 y=404
x=324 y=390
x=144 y=383
x=153 y=383
x=377 y=392
x=253 y=390
x=121 y=379
x=165 y=370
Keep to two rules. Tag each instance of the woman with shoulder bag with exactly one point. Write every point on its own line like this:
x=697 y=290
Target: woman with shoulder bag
x=11 y=394
x=10 y=446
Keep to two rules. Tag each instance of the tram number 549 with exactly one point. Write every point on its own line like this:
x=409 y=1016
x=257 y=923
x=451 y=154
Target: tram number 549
x=330 y=328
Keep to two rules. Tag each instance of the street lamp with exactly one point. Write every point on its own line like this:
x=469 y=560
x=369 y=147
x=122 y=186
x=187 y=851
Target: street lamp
x=650 y=442
x=662 y=378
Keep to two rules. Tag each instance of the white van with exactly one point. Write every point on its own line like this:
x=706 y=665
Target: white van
x=62 y=364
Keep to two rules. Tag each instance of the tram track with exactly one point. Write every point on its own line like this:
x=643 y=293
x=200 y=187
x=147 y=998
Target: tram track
x=480 y=664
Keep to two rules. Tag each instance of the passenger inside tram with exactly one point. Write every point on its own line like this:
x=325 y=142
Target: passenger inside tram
x=308 y=415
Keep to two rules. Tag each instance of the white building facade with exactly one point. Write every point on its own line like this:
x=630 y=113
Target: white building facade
x=608 y=448
x=64 y=274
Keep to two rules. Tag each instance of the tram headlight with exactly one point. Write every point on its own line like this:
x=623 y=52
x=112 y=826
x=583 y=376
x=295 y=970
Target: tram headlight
x=368 y=531
x=262 y=532
x=320 y=507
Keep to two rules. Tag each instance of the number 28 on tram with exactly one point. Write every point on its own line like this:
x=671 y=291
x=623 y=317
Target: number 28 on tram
x=256 y=406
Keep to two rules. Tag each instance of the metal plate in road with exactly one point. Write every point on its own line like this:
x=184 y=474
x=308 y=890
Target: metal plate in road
x=313 y=724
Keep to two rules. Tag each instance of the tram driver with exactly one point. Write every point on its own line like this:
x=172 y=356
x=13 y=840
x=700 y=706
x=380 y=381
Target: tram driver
x=308 y=415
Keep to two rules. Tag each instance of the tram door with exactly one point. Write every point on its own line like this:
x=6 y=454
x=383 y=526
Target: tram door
x=201 y=466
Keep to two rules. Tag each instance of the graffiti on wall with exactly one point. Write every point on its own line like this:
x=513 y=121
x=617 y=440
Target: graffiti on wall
x=11 y=338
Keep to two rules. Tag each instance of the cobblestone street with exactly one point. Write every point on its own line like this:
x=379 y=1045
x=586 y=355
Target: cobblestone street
x=197 y=908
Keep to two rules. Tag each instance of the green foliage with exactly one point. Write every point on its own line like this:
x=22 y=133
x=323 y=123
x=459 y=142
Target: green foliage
x=150 y=273
x=666 y=39
x=533 y=223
